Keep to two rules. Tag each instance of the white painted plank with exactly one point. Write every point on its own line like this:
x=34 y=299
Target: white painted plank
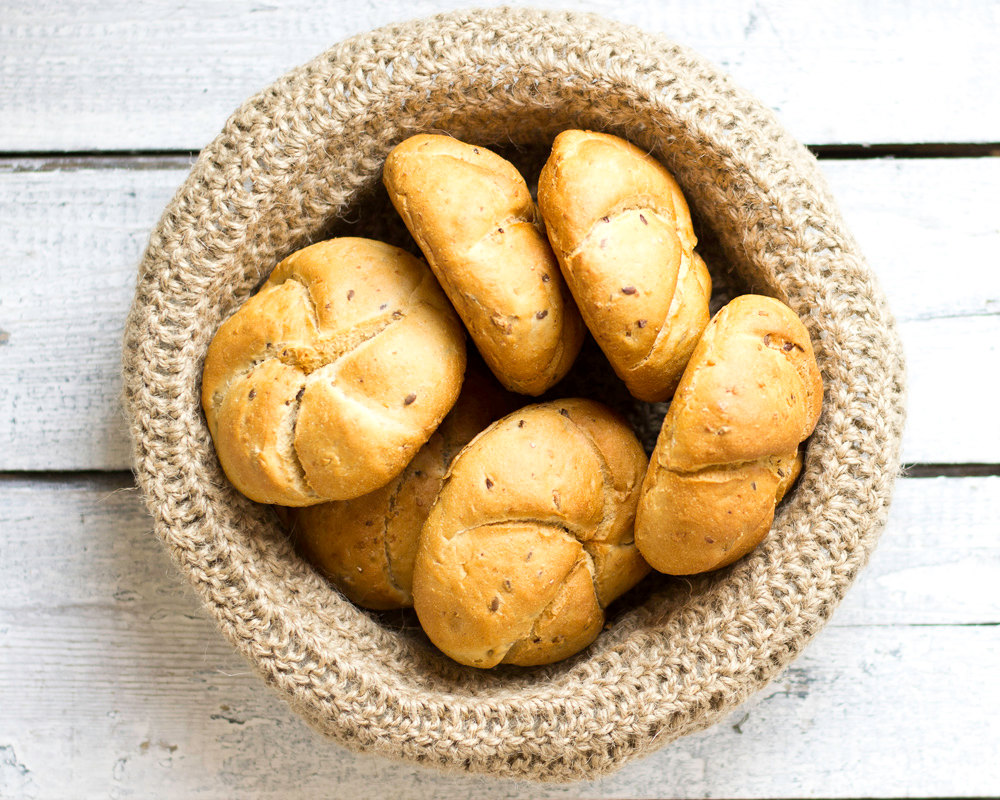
x=952 y=388
x=73 y=236
x=938 y=561
x=113 y=683
x=930 y=229
x=67 y=275
x=165 y=74
x=173 y=716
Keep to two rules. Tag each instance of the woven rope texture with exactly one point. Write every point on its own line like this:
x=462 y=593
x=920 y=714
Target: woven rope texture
x=306 y=154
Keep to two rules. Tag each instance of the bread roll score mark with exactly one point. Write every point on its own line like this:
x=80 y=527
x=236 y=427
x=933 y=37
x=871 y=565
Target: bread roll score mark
x=521 y=575
x=310 y=358
x=526 y=216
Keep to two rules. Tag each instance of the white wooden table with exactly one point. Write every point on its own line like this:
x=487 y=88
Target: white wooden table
x=114 y=683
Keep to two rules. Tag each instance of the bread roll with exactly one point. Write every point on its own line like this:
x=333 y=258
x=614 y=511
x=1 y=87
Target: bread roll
x=728 y=449
x=366 y=546
x=531 y=536
x=324 y=384
x=473 y=217
x=622 y=233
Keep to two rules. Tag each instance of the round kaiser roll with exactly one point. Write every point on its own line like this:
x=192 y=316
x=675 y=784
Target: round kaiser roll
x=728 y=449
x=473 y=217
x=324 y=384
x=531 y=536
x=621 y=231
x=366 y=546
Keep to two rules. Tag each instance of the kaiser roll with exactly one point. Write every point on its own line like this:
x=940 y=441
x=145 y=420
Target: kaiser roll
x=531 y=536
x=324 y=384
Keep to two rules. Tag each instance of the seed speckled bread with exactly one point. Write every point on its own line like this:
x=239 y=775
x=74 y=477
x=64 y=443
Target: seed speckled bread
x=324 y=384
x=728 y=449
x=531 y=536
x=473 y=217
x=366 y=546
x=621 y=230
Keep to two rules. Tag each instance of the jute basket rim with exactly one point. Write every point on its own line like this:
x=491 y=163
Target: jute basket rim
x=306 y=153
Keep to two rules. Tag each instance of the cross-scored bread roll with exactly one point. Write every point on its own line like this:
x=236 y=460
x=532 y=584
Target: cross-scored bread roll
x=621 y=230
x=531 y=536
x=324 y=384
x=366 y=546
x=473 y=217
x=728 y=449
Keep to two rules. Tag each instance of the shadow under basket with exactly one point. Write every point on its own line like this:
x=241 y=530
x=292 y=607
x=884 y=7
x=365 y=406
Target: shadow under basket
x=303 y=159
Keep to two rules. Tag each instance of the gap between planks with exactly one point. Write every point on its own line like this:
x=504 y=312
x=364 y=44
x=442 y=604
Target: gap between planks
x=49 y=160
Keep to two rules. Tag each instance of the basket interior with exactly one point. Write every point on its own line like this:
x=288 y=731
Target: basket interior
x=369 y=213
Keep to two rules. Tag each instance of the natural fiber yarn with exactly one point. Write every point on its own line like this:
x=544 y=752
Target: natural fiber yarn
x=307 y=152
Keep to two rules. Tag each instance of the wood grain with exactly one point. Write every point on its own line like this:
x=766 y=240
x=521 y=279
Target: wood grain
x=74 y=230
x=115 y=683
x=112 y=678
x=161 y=75
x=68 y=272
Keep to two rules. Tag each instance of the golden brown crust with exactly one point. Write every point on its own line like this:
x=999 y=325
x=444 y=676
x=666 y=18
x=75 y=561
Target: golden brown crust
x=473 y=217
x=366 y=546
x=302 y=386
x=531 y=536
x=728 y=449
x=621 y=231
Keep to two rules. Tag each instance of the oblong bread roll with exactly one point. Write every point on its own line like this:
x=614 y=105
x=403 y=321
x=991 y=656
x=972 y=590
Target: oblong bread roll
x=728 y=449
x=470 y=212
x=621 y=231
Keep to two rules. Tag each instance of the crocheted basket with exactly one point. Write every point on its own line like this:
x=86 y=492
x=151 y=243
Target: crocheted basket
x=306 y=154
